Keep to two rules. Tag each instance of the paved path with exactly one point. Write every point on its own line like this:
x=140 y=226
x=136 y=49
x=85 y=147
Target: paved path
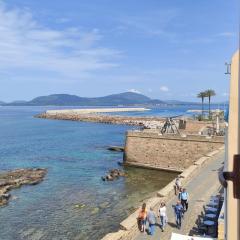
x=200 y=189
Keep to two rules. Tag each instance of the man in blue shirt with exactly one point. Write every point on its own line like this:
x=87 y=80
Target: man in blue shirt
x=152 y=221
x=178 y=214
x=184 y=199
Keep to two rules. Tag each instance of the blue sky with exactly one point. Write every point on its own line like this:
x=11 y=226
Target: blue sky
x=163 y=49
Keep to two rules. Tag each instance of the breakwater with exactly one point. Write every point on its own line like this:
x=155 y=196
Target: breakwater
x=154 y=122
x=149 y=122
x=95 y=110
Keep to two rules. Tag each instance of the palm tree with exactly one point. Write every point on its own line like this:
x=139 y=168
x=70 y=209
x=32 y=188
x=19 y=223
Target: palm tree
x=209 y=93
x=202 y=95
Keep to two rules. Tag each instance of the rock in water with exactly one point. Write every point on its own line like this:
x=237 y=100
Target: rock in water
x=17 y=178
x=116 y=148
x=113 y=174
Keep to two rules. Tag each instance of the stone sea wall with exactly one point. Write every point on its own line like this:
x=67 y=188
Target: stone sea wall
x=168 y=152
x=128 y=228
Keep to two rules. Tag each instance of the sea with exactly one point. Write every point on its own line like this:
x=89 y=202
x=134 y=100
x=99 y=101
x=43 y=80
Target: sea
x=72 y=203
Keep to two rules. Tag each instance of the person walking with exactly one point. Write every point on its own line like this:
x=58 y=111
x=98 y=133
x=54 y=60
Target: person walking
x=162 y=215
x=151 y=218
x=142 y=216
x=179 y=193
x=178 y=214
x=184 y=197
x=177 y=185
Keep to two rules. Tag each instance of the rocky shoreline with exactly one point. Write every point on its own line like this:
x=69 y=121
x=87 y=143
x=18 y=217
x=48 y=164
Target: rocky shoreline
x=16 y=178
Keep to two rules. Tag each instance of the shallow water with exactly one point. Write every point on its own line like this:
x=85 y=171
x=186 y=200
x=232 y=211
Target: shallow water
x=76 y=157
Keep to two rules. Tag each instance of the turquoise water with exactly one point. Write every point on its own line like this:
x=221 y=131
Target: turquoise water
x=76 y=157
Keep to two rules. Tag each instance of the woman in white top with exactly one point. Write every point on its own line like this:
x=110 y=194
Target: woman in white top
x=163 y=215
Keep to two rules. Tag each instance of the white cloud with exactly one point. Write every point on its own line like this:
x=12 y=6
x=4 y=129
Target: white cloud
x=26 y=45
x=153 y=23
x=133 y=90
x=226 y=34
x=164 y=89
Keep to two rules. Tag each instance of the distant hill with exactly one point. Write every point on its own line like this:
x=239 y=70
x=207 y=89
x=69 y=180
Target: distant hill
x=58 y=99
x=127 y=98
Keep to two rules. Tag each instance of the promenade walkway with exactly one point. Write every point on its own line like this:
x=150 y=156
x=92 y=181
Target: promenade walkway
x=200 y=189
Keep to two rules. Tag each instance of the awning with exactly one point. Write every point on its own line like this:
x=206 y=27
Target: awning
x=176 y=236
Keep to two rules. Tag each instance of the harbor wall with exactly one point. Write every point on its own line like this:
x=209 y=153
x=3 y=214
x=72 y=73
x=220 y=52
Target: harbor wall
x=129 y=228
x=94 y=110
x=167 y=152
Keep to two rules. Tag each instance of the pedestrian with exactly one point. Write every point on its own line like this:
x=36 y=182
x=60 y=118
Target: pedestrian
x=178 y=214
x=184 y=197
x=179 y=193
x=151 y=218
x=142 y=216
x=162 y=215
x=177 y=185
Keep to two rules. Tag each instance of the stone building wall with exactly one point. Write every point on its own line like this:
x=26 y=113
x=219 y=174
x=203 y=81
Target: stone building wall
x=170 y=152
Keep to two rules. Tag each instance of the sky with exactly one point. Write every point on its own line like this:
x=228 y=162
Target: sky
x=162 y=49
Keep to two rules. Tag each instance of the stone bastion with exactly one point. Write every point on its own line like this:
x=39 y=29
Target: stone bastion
x=170 y=152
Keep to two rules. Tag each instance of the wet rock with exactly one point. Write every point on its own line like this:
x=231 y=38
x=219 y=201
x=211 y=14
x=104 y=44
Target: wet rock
x=116 y=148
x=17 y=178
x=113 y=174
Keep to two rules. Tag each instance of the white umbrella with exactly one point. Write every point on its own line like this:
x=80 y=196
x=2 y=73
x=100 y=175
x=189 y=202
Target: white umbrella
x=176 y=236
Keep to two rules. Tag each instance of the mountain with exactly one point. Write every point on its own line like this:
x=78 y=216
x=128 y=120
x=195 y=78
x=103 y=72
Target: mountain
x=127 y=98
x=58 y=99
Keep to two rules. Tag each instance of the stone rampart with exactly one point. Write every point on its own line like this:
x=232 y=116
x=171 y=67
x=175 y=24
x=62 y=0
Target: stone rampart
x=128 y=227
x=168 y=152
